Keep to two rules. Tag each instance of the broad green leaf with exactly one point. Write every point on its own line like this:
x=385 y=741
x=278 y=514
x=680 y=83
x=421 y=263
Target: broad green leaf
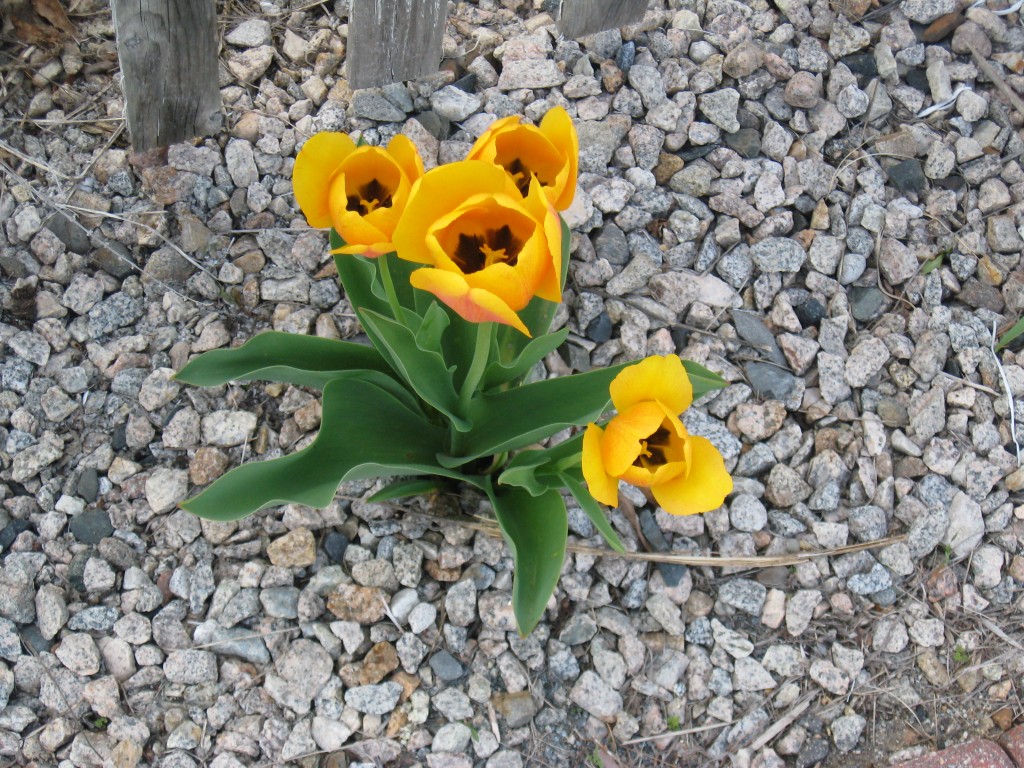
x=514 y=418
x=358 y=277
x=370 y=434
x=703 y=380
x=501 y=371
x=592 y=510
x=525 y=477
x=422 y=368
x=431 y=330
x=401 y=489
x=1011 y=334
x=291 y=358
x=525 y=466
x=536 y=529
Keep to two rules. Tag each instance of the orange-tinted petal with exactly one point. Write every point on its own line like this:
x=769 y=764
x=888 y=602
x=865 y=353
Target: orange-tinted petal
x=603 y=486
x=620 y=445
x=317 y=162
x=661 y=378
x=371 y=251
x=473 y=304
x=702 y=488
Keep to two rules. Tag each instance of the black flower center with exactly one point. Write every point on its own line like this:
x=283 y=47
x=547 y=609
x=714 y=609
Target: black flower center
x=652 y=450
x=370 y=197
x=520 y=175
x=477 y=251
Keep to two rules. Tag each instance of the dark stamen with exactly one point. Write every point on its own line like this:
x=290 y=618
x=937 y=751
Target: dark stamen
x=472 y=252
x=652 y=450
x=520 y=175
x=372 y=195
x=468 y=255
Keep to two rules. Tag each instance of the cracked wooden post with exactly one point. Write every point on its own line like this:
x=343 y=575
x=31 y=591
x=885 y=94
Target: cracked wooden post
x=394 y=40
x=585 y=17
x=168 y=54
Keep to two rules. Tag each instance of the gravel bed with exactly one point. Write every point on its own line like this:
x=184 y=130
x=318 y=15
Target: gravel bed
x=762 y=189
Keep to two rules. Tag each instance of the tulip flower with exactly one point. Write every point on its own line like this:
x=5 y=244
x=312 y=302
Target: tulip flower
x=360 y=191
x=488 y=249
x=548 y=152
x=647 y=445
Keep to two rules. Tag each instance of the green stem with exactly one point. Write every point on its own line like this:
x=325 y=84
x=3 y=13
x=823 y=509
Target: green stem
x=481 y=355
x=397 y=311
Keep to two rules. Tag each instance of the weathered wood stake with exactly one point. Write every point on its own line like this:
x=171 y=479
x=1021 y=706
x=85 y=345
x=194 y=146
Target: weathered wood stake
x=168 y=53
x=394 y=40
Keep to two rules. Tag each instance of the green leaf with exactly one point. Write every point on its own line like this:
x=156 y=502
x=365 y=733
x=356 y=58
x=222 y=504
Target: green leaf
x=291 y=358
x=401 y=489
x=1011 y=334
x=703 y=380
x=501 y=372
x=514 y=418
x=932 y=264
x=358 y=277
x=432 y=328
x=422 y=368
x=370 y=434
x=536 y=529
x=524 y=477
x=592 y=510
x=525 y=467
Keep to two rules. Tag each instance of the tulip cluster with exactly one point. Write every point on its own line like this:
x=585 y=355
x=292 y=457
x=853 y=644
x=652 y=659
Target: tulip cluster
x=455 y=274
x=487 y=227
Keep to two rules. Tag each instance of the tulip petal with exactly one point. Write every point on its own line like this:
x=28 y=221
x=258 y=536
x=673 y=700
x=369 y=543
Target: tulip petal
x=317 y=162
x=407 y=156
x=472 y=304
x=558 y=127
x=484 y=148
x=354 y=229
x=548 y=243
x=602 y=486
x=661 y=378
x=620 y=446
x=702 y=488
x=438 y=194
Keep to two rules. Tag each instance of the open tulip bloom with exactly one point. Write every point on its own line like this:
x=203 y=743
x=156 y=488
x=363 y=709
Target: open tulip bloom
x=455 y=275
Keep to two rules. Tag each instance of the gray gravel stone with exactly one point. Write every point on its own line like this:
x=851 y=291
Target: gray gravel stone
x=377 y=699
x=778 y=254
x=846 y=731
x=460 y=603
x=744 y=595
x=720 y=108
x=191 y=667
x=595 y=696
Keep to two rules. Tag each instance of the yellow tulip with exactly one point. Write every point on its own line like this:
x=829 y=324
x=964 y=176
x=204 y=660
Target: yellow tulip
x=488 y=249
x=548 y=152
x=647 y=445
x=360 y=191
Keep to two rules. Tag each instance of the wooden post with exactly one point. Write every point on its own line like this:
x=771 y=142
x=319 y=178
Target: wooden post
x=168 y=53
x=394 y=40
x=585 y=17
